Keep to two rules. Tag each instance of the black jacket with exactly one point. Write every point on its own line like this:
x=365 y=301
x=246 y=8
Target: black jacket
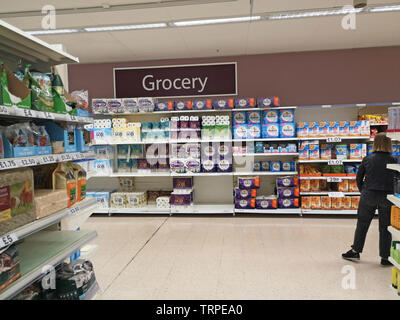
x=377 y=176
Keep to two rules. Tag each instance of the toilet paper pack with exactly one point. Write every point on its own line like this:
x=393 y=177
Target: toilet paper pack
x=254 y=131
x=240 y=131
x=245 y=103
x=270 y=130
x=287 y=130
x=270 y=116
x=253 y=117
x=268 y=102
x=286 y=115
x=239 y=117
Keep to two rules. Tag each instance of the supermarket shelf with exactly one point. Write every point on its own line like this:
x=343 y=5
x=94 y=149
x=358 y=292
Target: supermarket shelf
x=266 y=139
x=191 y=111
x=326 y=178
x=343 y=138
x=202 y=174
x=359 y=105
x=393 y=199
x=204 y=209
x=267 y=154
x=274 y=211
x=149 y=209
x=326 y=161
x=394 y=263
x=52 y=219
x=264 y=173
x=321 y=193
x=28 y=114
x=21 y=162
x=137 y=174
x=393 y=166
x=339 y=212
x=378 y=124
x=106 y=211
x=395 y=232
x=23 y=45
x=42 y=249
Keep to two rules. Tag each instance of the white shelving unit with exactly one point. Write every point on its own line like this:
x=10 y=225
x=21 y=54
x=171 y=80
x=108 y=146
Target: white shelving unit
x=395 y=232
x=393 y=199
x=326 y=178
x=204 y=209
x=282 y=154
x=326 y=161
x=40 y=247
x=150 y=209
x=322 y=193
x=269 y=211
x=393 y=166
x=339 y=212
x=265 y=173
x=340 y=137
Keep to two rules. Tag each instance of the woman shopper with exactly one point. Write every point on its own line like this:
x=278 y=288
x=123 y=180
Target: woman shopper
x=375 y=182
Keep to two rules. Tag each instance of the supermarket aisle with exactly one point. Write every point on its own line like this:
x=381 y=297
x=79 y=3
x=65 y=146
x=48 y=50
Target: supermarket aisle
x=233 y=258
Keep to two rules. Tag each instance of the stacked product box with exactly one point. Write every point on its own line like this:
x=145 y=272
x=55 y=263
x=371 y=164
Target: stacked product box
x=329 y=203
x=185 y=128
x=158 y=131
x=288 y=192
x=216 y=157
x=314 y=150
x=324 y=129
x=118 y=106
x=215 y=127
x=185 y=158
x=269 y=123
x=102 y=197
x=123 y=131
x=315 y=185
x=274 y=166
x=128 y=199
x=103 y=152
x=102 y=131
x=246 y=192
x=183 y=193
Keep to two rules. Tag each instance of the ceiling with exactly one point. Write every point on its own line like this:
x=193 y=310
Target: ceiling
x=323 y=33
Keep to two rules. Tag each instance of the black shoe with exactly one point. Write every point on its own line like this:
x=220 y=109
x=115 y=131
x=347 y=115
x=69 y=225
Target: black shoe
x=386 y=262
x=351 y=255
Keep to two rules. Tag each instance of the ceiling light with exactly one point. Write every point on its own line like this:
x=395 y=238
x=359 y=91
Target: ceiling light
x=311 y=14
x=127 y=27
x=52 y=31
x=214 y=21
x=385 y=9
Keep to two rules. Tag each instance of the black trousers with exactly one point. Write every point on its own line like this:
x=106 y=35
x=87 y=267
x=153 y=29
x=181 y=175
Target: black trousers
x=369 y=202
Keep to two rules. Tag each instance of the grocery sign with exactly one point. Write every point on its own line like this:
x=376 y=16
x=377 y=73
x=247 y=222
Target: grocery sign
x=214 y=79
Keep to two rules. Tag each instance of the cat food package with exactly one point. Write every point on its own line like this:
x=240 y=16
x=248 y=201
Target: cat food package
x=314 y=151
x=302 y=129
x=306 y=203
x=325 y=202
x=80 y=176
x=356 y=150
x=244 y=193
x=355 y=128
x=263 y=202
x=305 y=185
x=249 y=182
x=346 y=203
x=286 y=203
x=336 y=203
x=355 y=200
x=16 y=199
x=304 y=152
x=344 y=128
x=270 y=116
x=353 y=186
x=333 y=129
x=315 y=202
x=314 y=185
x=286 y=115
x=291 y=192
x=245 y=203
x=343 y=186
x=64 y=178
x=287 y=181
x=326 y=151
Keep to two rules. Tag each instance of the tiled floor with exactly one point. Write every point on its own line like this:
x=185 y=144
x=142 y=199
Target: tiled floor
x=234 y=258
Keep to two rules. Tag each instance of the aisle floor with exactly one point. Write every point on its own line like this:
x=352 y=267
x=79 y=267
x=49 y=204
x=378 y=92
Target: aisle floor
x=234 y=258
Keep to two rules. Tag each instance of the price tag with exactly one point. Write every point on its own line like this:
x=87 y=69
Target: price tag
x=7 y=240
x=66 y=157
x=4 y=110
x=27 y=162
x=49 y=115
x=335 y=162
x=48 y=159
x=8 y=164
x=29 y=113
x=334 y=139
x=72 y=118
x=334 y=179
x=336 y=194
x=74 y=210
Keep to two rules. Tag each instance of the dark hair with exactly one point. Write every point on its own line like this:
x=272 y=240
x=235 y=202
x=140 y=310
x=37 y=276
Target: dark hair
x=382 y=143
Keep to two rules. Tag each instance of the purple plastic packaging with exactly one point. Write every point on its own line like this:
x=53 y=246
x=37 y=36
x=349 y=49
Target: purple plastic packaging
x=173 y=134
x=224 y=165
x=288 y=203
x=174 y=123
x=208 y=165
x=183 y=183
x=244 y=193
x=194 y=124
x=181 y=199
x=161 y=106
x=288 y=192
x=245 y=203
x=177 y=166
x=189 y=134
x=193 y=165
x=249 y=183
x=287 y=182
x=265 y=203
